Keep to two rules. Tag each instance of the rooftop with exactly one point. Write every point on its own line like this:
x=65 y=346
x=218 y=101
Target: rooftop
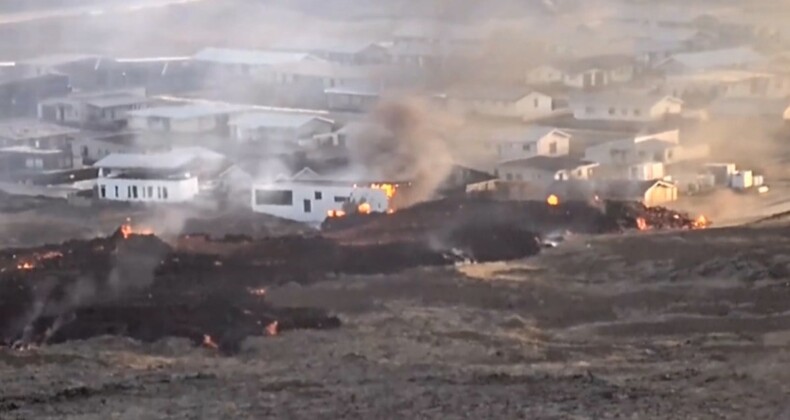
x=721 y=58
x=620 y=98
x=189 y=111
x=173 y=159
x=275 y=119
x=547 y=163
x=527 y=134
x=102 y=99
x=250 y=57
x=323 y=45
x=29 y=129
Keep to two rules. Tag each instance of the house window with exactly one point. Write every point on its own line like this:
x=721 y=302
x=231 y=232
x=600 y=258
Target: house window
x=658 y=156
x=134 y=191
x=637 y=112
x=102 y=191
x=612 y=111
x=553 y=148
x=117 y=192
x=526 y=147
x=159 y=192
x=340 y=199
x=318 y=195
x=536 y=102
x=150 y=192
x=164 y=193
x=274 y=197
x=307 y=205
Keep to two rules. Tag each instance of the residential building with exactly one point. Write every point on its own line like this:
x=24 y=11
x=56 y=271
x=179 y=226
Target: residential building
x=543 y=170
x=719 y=59
x=585 y=73
x=313 y=201
x=359 y=98
x=347 y=52
x=291 y=128
x=650 y=193
x=643 y=149
x=187 y=119
x=532 y=141
x=625 y=106
x=18 y=163
x=176 y=176
x=90 y=148
x=84 y=71
x=224 y=63
x=505 y=102
x=35 y=134
x=103 y=110
x=20 y=94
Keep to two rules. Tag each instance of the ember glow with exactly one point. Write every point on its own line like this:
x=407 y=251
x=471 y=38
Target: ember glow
x=701 y=222
x=364 y=208
x=553 y=200
x=258 y=292
x=127 y=230
x=25 y=266
x=271 y=329
x=389 y=189
x=335 y=213
x=208 y=342
x=641 y=223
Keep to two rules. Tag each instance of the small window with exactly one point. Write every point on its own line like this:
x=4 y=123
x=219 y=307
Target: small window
x=526 y=147
x=553 y=148
x=612 y=111
x=308 y=206
x=134 y=191
x=128 y=191
x=637 y=112
x=103 y=191
x=274 y=197
x=536 y=102
x=318 y=195
x=519 y=177
x=159 y=192
x=164 y=193
x=340 y=199
x=509 y=176
x=117 y=192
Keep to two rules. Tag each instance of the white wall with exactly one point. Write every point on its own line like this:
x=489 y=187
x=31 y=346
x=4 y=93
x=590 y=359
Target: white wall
x=319 y=207
x=181 y=125
x=602 y=111
x=550 y=145
x=647 y=171
x=178 y=190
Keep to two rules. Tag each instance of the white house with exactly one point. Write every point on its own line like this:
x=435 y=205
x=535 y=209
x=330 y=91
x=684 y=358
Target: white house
x=351 y=52
x=625 y=107
x=240 y=62
x=168 y=177
x=531 y=141
x=279 y=127
x=358 y=98
x=525 y=104
x=313 y=201
x=586 y=72
x=729 y=58
x=93 y=110
x=543 y=170
x=190 y=119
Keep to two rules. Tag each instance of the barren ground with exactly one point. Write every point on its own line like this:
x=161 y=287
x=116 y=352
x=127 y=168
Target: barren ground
x=647 y=326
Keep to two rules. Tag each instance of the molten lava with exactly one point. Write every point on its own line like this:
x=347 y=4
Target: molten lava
x=335 y=213
x=271 y=329
x=389 y=189
x=553 y=200
x=364 y=208
x=208 y=342
x=641 y=223
x=701 y=222
x=25 y=266
x=127 y=230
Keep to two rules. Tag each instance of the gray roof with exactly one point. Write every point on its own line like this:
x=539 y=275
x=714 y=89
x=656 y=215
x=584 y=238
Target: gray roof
x=529 y=134
x=29 y=129
x=323 y=45
x=250 y=57
x=547 y=163
x=189 y=111
x=121 y=99
x=619 y=99
x=172 y=159
x=275 y=119
x=497 y=93
x=721 y=58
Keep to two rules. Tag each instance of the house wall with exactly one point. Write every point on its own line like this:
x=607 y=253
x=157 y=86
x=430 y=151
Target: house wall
x=617 y=112
x=647 y=171
x=665 y=107
x=660 y=194
x=346 y=102
x=525 y=174
x=180 y=190
x=288 y=134
x=180 y=125
x=544 y=75
x=331 y=198
x=550 y=145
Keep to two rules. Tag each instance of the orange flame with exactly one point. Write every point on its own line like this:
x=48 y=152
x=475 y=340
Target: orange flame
x=701 y=222
x=364 y=208
x=553 y=200
x=335 y=213
x=641 y=223
x=25 y=266
x=271 y=329
x=389 y=189
x=127 y=230
x=208 y=342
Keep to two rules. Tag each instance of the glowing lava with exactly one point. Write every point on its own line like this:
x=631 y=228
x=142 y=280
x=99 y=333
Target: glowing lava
x=335 y=213
x=553 y=200
x=127 y=230
x=271 y=329
x=641 y=223
x=389 y=189
x=701 y=222
x=364 y=208
x=25 y=266
x=208 y=342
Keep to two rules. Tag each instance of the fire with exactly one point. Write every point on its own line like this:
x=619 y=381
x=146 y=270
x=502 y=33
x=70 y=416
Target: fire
x=208 y=342
x=389 y=189
x=271 y=329
x=553 y=200
x=25 y=266
x=258 y=292
x=127 y=230
x=364 y=208
x=701 y=222
x=641 y=223
x=335 y=213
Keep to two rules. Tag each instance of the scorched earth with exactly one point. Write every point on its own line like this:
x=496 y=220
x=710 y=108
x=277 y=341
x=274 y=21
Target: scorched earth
x=637 y=325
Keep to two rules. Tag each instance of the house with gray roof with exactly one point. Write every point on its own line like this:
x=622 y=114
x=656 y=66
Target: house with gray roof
x=226 y=62
x=187 y=119
x=585 y=72
x=526 y=142
x=624 y=106
x=505 y=102
x=102 y=110
x=292 y=128
x=544 y=170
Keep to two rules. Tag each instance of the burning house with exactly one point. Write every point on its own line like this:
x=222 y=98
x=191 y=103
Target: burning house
x=178 y=175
